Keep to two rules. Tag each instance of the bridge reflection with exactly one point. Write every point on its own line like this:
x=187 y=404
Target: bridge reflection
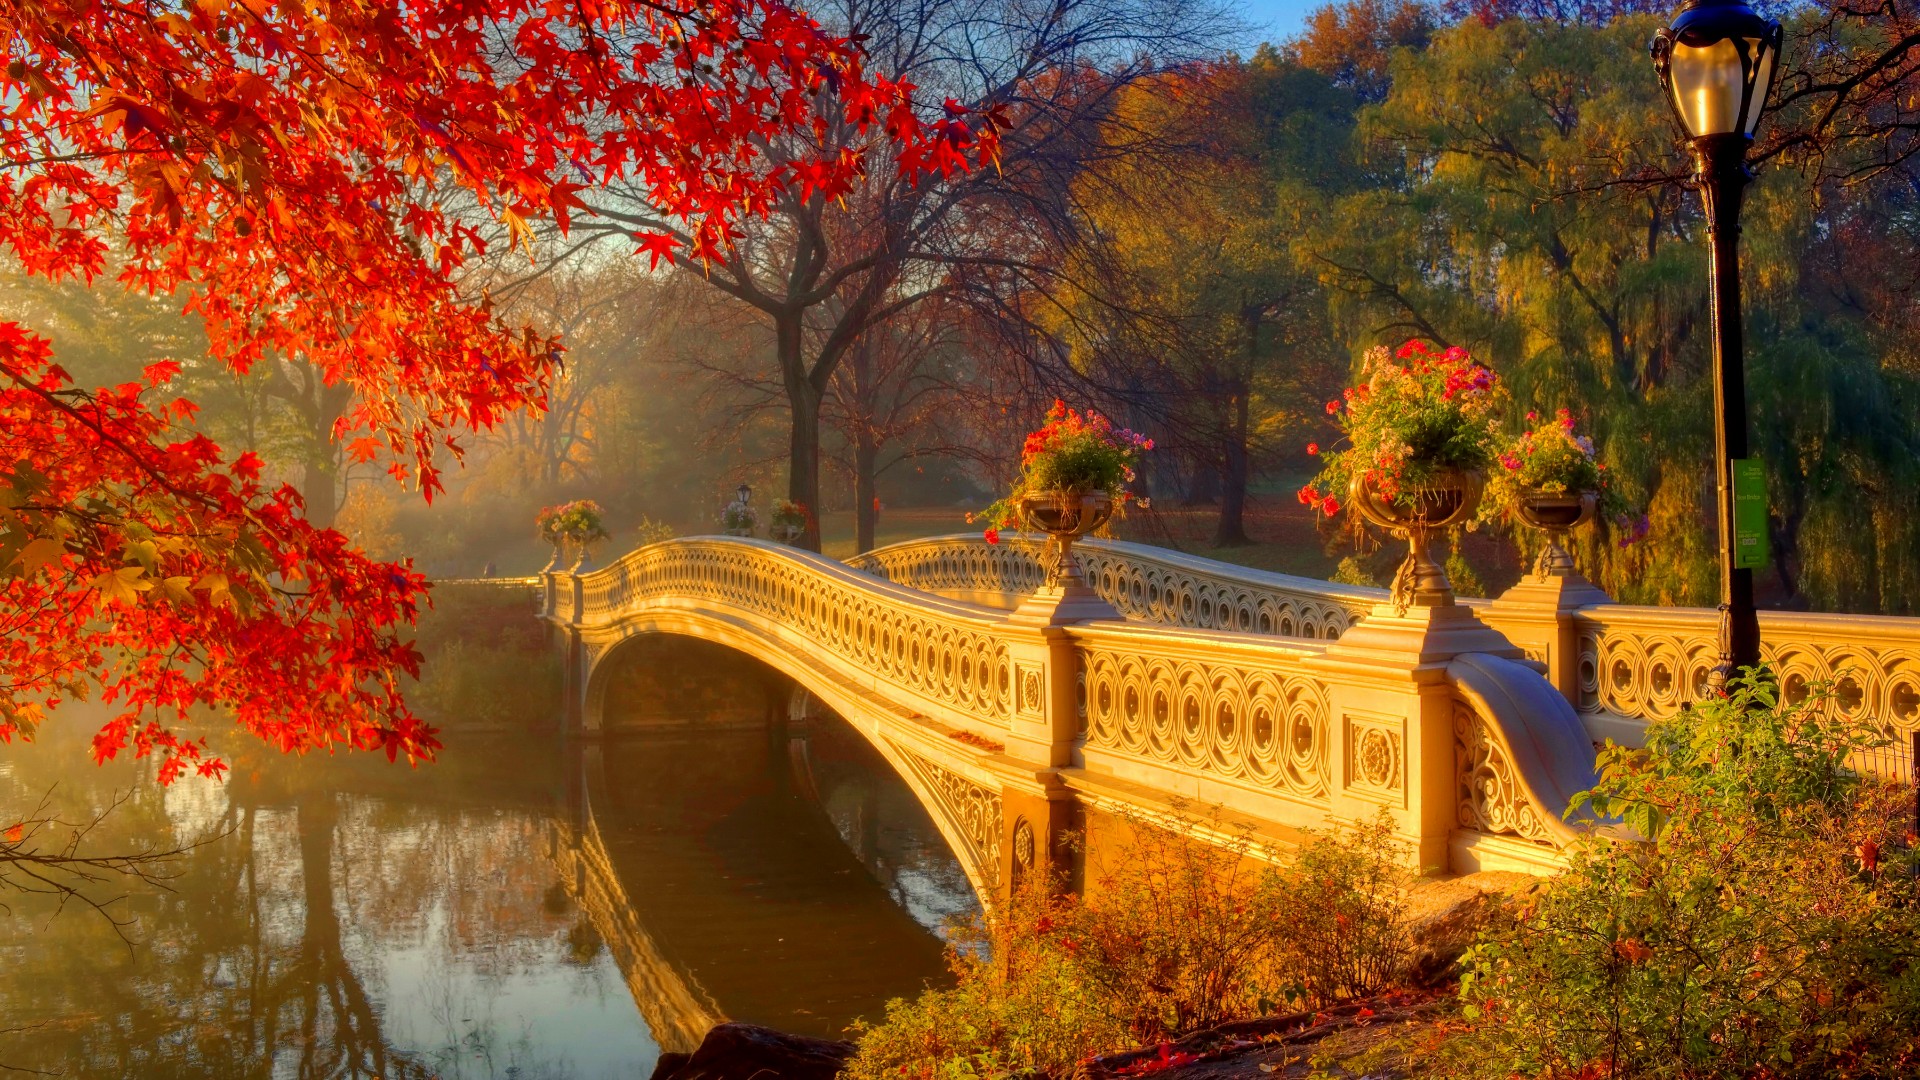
x=736 y=874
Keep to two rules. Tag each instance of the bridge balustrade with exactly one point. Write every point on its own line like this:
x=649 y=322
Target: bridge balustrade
x=1428 y=716
x=1620 y=665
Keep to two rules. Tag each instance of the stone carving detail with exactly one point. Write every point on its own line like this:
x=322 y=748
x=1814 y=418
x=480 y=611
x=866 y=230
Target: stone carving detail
x=940 y=653
x=1023 y=845
x=1649 y=663
x=1031 y=699
x=1260 y=726
x=972 y=810
x=1139 y=586
x=1375 y=759
x=1491 y=797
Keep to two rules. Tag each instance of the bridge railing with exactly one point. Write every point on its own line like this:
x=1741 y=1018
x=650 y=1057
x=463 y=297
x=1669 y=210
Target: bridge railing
x=1619 y=665
x=950 y=654
x=1142 y=582
x=1472 y=763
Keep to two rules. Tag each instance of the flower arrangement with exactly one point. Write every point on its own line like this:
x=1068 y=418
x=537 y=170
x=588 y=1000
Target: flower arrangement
x=1549 y=458
x=739 y=518
x=788 y=519
x=1420 y=415
x=576 y=522
x=1071 y=453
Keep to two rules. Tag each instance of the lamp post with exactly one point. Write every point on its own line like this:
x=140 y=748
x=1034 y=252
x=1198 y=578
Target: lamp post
x=1716 y=64
x=745 y=493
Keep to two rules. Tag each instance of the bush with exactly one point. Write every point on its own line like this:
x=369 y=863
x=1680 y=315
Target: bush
x=1020 y=1006
x=1761 y=924
x=1178 y=935
x=1345 y=895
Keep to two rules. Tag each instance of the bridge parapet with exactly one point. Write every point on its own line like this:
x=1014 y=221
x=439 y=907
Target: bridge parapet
x=1619 y=665
x=1473 y=763
x=1143 y=583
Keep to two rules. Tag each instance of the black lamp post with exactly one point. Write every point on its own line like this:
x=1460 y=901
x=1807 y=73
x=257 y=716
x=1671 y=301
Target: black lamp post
x=745 y=493
x=1717 y=63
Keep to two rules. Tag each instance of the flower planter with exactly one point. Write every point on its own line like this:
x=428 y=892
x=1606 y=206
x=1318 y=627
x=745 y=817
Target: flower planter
x=1065 y=516
x=1556 y=515
x=1452 y=499
x=785 y=533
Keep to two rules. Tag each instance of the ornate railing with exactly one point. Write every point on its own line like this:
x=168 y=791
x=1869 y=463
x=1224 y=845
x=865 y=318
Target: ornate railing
x=1144 y=583
x=1212 y=705
x=1634 y=663
x=1279 y=727
x=943 y=650
x=1648 y=662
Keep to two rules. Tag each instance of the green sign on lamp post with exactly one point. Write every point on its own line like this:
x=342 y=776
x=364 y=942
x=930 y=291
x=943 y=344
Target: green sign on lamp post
x=1749 y=515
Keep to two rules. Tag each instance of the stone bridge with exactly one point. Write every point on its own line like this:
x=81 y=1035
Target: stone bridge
x=1286 y=702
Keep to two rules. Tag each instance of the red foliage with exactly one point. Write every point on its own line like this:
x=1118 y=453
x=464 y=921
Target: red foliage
x=295 y=174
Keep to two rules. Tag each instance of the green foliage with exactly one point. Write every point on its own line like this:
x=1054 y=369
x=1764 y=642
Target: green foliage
x=1177 y=935
x=1020 y=1006
x=1466 y=580
x=1766 y=925
x=1352 y=571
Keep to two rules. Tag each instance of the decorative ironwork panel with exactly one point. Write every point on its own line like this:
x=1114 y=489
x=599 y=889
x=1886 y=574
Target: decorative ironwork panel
x=1491 y=797
x=919 y=643
x=1265 y=727
x=971 y=809
x=1142 y=583
x=1650 y=663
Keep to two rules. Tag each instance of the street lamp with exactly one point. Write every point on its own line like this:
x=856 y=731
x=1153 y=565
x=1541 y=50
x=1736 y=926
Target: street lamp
x=1717 y=63
x=745 y=493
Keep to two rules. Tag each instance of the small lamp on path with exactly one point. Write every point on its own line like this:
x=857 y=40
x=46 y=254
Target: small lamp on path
x=1717 y=64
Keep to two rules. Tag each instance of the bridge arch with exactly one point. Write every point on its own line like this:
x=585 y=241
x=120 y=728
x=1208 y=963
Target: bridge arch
x=963 y=800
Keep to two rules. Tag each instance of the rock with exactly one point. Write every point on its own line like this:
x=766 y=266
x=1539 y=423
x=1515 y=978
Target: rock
x=748 y=1052
x=1446 y=915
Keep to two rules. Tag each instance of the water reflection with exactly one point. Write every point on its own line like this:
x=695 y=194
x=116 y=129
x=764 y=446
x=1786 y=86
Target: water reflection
x=361 y=920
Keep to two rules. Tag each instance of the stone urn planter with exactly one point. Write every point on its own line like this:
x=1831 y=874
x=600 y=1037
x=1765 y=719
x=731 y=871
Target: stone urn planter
x=1556 y=515
x=785 y=533
x=1453 y=498
x=1065 y=516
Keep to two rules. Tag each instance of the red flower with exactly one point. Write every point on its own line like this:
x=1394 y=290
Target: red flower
x=1313 y=448
x=1331 y=505
x=992 y=535
x=1332 y=407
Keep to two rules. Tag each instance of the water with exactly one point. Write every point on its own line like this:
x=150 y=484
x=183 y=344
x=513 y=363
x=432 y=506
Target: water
x=511 y=911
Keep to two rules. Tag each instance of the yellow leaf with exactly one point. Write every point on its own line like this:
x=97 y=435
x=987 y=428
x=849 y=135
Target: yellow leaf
x=144 y=552
x=37 y=554
x=123 y=585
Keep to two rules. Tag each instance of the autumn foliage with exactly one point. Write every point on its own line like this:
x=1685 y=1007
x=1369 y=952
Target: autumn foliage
x=310 y=179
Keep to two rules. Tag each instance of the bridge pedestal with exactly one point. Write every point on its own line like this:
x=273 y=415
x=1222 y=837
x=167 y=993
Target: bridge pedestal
x=1538 y=616
x=1392 y=709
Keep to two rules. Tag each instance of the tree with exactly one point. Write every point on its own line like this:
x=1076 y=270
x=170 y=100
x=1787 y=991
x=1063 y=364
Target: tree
x=821 y=269
x=291 y=173
x=1209 y=306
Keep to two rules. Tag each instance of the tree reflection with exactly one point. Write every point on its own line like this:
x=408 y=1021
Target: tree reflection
x=327 y=936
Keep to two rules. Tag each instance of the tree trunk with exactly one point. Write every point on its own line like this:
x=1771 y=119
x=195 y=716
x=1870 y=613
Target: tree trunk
x=803 y=447
x=1232 y=530
x=319 y=485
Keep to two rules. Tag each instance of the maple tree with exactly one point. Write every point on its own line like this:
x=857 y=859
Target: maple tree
x=309 y=181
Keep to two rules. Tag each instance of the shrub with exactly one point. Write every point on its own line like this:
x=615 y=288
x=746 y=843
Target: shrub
x=1020 y=1006
x=1345 y=899
x=1182 y=935
x=1761 y=924
x=1177 y=936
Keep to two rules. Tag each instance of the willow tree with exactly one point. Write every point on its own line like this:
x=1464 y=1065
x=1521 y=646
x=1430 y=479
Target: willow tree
x=1528 y=207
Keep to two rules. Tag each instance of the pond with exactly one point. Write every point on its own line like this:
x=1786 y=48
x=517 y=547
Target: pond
x=514 y=910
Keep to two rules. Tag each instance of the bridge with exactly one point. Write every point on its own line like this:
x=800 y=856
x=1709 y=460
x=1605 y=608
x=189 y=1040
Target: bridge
x=1019 y=716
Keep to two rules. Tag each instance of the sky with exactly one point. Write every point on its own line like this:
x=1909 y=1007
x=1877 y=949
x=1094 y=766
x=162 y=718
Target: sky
x=1275 y=20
